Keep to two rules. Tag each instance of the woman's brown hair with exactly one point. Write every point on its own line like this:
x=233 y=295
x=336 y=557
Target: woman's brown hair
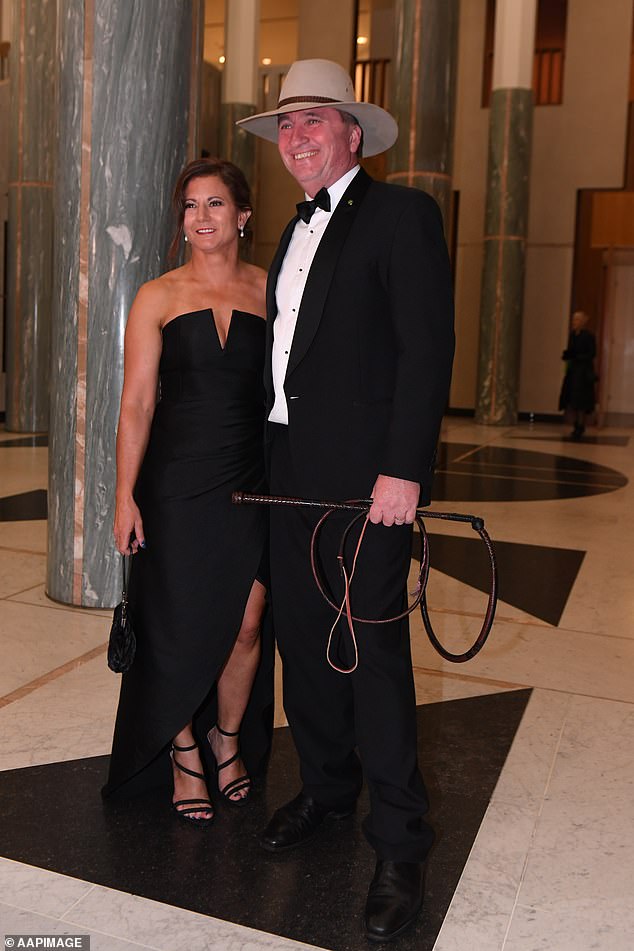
x=227 y=172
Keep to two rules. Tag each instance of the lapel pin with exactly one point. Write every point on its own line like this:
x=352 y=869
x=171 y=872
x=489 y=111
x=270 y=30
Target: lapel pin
x=350 y=201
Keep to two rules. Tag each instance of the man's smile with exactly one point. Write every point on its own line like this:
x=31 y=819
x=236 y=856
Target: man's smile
x=302 y=155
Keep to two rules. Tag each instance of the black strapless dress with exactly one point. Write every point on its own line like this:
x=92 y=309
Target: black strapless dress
x=189 y=587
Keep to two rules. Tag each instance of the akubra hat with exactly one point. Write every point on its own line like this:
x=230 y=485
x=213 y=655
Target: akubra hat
x=311 y=83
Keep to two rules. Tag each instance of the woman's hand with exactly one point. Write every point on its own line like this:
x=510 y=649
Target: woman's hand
x=142 y=353
x=128 y=527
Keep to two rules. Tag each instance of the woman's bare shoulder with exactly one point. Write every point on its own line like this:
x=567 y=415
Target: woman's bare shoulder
x=168 y=282
x=256 y=279
x=254 y=274
x=157 y=295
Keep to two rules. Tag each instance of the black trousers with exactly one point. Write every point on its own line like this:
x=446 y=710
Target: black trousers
x=347 y=725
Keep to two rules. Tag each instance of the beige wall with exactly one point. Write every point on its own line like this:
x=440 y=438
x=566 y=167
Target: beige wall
x=214 y=39
x=326 y=30
x=380 y=30
x=5 y=20
x=580 y=144
x=278 y=30
x=278 y=40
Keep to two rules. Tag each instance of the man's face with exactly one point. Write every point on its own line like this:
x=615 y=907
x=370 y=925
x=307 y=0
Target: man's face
x=317 y=146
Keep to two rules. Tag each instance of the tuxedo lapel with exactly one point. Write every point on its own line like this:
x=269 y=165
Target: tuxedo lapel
x=323 y=267
x=271 y=304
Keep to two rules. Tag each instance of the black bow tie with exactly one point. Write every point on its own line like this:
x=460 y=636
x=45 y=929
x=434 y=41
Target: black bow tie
x=306 y=209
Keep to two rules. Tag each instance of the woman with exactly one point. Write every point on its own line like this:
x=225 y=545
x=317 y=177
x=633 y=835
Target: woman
x=195 y=336
x=577 y=391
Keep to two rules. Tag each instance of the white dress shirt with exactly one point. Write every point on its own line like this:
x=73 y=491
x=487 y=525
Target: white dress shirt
x=291 y=282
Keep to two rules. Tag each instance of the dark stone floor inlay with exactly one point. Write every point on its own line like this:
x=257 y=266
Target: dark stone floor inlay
x=24 y=507
x=472 y=473
x=21 y=442
x=534 y=578
x=604 y=440
x=53 y=817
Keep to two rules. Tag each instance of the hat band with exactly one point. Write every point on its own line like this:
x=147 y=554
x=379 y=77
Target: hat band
x=287 y=102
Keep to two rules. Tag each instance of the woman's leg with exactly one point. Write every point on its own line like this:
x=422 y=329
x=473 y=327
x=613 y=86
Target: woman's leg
x=234 y=689
x=186 y=786
x=580 y=424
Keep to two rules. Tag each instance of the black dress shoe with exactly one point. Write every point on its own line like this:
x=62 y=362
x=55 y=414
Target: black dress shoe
x=394 y=899
x=297 y=822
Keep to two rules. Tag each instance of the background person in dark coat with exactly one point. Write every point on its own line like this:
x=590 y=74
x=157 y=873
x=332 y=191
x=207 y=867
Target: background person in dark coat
x=358 y=363
x=577 y=396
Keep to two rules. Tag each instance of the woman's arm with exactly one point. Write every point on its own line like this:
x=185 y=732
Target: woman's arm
x=142 y=352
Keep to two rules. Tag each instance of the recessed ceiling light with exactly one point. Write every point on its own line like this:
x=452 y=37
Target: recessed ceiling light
x=362 y=40
x=266 y=61
x=221 y=59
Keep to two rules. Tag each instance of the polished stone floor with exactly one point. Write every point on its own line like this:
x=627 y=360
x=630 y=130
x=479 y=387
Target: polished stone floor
x=527 y=748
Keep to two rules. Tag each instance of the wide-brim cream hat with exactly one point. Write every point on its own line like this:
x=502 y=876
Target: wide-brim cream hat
x=312 y=83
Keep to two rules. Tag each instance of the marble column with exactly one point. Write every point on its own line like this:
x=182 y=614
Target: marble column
x=506 y=219
x=240 y=82
x=125 y=81
x=423 y=93
x=30 y=228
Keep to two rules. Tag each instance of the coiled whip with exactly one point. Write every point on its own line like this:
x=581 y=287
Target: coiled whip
x=361 y=507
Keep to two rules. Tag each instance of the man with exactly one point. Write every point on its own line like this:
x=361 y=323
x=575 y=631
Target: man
x=360 y=345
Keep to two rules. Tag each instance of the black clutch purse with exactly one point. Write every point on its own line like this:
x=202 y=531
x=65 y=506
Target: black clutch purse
x=122 y=642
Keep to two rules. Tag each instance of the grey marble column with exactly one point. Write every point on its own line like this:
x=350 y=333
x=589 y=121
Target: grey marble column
x=506 y=221
x=30 y=230
x=423 y=94
x=124 y=102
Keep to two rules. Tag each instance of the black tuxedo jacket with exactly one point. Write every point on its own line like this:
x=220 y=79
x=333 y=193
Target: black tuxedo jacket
x=370 y=365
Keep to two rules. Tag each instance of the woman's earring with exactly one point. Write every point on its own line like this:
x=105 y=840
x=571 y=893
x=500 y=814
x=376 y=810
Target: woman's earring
x=186 y=238
x=242 y=231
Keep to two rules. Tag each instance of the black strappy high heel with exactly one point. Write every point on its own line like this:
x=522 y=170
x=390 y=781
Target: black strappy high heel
x=242 y=782
x=192 y=805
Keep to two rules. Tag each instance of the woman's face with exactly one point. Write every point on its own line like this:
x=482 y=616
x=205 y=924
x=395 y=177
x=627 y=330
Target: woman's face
x=211 y=220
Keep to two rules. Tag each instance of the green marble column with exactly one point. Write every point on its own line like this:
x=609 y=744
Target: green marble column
x=423 y=92
x=124 y=98
x=504 y=251
x=506 y=219
x=236 y=144
x=30 y=229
